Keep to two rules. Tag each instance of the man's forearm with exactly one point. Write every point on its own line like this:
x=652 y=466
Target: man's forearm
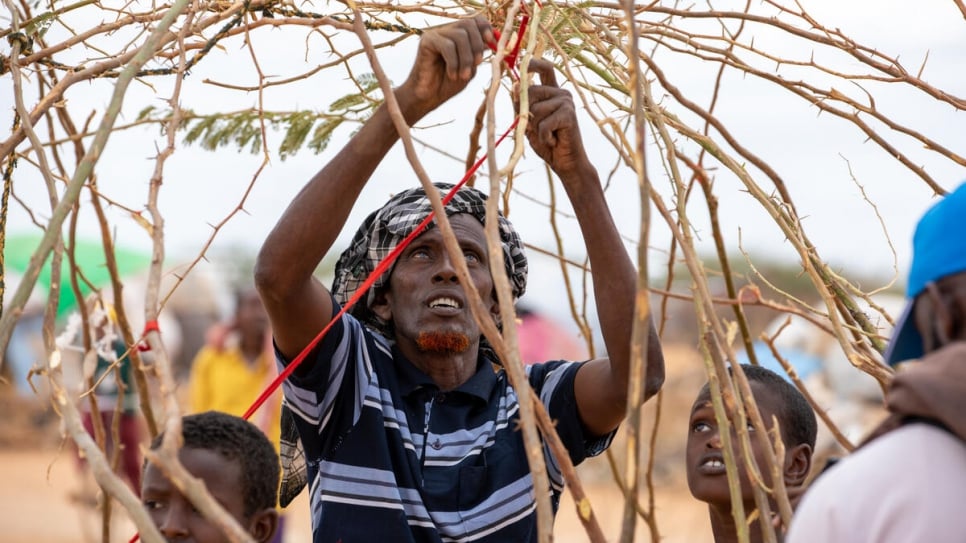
x=297 y=304
x=614 y=278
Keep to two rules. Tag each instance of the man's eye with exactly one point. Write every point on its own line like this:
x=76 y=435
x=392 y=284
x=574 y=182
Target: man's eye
x=471 y=256
x=152 y=505
x=700 y=427
x=419 y=254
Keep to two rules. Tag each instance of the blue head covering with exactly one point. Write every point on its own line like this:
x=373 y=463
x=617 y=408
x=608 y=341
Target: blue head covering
x=938 y=250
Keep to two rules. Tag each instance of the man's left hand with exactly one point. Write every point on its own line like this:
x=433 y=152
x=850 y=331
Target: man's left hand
x=552 y=128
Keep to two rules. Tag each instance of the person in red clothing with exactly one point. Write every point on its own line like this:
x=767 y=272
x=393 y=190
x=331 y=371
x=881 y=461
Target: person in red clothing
x=540 y=338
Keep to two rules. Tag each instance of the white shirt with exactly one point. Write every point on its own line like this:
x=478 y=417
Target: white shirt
x=906 y=486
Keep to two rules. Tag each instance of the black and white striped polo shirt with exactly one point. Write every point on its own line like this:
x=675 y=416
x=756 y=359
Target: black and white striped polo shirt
x=392 y=458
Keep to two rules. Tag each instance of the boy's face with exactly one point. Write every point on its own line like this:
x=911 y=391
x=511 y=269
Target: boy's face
x=177 y=518
x=705 y=467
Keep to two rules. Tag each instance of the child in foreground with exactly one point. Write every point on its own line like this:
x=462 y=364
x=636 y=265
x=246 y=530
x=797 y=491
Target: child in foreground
x=240 y=469
x=707 y=479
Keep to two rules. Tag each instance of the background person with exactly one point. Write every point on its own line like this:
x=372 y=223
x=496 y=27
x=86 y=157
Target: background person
x=106 y=373
x=908 y=481
x=235 y=366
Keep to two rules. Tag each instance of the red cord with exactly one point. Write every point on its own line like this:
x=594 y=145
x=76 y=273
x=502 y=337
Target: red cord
x=510 y=60
x=376 y=273
x=148 y=327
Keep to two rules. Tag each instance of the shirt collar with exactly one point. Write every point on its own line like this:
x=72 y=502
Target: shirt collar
x=412 y=379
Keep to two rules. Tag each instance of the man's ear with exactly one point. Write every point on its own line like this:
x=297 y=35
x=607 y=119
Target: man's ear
x=798 y=462
x=495 y=310
x=381 y=305
x=263 y=525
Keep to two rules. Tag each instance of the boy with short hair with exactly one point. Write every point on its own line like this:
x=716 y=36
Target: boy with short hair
x=707 y=479
x=240 y=469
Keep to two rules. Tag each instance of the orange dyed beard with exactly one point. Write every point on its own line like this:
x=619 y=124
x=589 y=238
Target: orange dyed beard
x=443 y=342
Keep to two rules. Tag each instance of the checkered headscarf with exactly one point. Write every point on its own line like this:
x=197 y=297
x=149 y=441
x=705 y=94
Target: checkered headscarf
x=386 y=227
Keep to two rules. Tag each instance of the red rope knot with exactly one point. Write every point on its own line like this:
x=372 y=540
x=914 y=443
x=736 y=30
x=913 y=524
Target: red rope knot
x=512 y=58
x=149 y=326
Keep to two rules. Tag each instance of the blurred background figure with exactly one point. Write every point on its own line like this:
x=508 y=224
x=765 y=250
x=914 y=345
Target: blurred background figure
x=233 y=368
x=25 y=349
x=541 y=338
x=103 y=380
x=201 y=300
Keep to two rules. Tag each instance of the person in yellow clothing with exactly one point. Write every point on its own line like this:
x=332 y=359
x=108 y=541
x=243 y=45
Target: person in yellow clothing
x=235 y=365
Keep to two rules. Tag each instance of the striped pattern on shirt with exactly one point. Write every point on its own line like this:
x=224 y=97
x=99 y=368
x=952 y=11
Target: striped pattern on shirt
x=390 y=457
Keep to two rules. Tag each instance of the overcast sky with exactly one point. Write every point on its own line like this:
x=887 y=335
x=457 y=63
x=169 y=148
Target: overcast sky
x=814 y=153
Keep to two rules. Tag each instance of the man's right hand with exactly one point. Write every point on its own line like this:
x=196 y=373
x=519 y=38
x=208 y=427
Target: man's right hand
x=445 y=63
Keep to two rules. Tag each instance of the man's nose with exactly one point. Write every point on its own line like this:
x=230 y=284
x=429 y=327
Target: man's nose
x=445 y=270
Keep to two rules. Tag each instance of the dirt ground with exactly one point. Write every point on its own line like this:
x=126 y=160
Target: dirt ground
x=37 y=508
x=39 y=475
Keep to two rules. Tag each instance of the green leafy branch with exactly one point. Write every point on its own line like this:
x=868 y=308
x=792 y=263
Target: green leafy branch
x=306 y=129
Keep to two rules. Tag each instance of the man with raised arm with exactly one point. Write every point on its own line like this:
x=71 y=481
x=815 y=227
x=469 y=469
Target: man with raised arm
x=408 y=432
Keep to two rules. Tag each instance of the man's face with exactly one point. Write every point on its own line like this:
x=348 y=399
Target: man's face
x=705 y=466
x=940 y=312
x=177 y=518
x=425 y=301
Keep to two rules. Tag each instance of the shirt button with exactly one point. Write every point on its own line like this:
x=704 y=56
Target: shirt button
x=437 y=445
x=441 y=397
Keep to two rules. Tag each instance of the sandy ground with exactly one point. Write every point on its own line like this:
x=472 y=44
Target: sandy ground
x=38 y=476
x=37 y=507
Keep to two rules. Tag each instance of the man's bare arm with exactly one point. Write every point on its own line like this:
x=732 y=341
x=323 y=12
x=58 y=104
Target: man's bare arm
x=601 y=385
x=297 y=304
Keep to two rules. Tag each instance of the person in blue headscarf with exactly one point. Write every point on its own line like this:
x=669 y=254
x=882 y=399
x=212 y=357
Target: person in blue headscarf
x=907 y=482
